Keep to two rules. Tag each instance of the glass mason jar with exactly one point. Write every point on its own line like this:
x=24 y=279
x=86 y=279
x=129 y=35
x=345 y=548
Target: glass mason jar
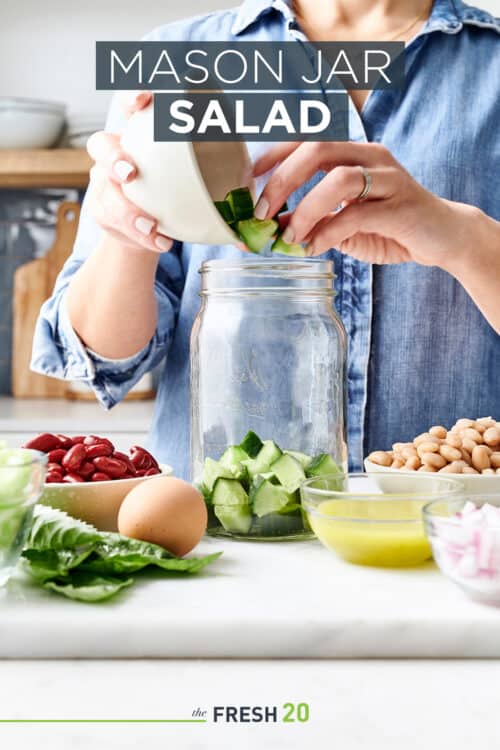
x=268 y=356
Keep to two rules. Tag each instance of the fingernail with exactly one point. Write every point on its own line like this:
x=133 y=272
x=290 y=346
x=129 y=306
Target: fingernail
x=123 y=169
x=288 y=235
x=261 y=208
x=163 y=243
x=143 y=225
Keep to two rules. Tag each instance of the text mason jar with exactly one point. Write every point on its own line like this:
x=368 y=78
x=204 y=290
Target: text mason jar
x=268 y=356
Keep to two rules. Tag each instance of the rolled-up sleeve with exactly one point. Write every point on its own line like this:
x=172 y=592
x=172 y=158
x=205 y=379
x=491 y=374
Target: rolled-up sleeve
x=57 y=349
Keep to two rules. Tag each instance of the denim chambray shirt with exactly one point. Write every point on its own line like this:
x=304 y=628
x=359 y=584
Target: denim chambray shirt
x=420 y=352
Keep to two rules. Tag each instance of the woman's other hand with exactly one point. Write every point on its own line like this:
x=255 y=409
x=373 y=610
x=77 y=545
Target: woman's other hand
x=398 y=221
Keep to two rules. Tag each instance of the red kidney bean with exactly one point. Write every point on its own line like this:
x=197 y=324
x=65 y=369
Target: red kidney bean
x=65 y=442
x=96 y=440
x=53 y=477
x=140 y=458
x=112 y=466
x=76 y=439
x=140 y=472
x=57 y=455
x=56 y=467
x=152 y=471
x=72 y=478
x=74 y=457
x=98 y=449
x=100 y=476
x=86 y=470
x=126 y=460
x=44 y=442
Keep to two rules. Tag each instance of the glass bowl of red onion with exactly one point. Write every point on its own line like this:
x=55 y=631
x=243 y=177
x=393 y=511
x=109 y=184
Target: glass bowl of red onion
x=465 y=538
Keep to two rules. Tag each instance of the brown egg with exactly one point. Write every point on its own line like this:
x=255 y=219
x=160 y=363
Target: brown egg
x=166 y=511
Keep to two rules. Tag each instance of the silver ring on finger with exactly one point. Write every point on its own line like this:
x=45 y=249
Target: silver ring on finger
x=367 y=186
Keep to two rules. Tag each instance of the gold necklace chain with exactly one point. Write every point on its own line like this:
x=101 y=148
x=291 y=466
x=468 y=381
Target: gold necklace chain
x=421 y=16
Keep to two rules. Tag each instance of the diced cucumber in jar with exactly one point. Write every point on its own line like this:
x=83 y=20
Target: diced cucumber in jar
x=268 y=454
x=303 y=459
x=269 y=498
x=289 y=472
x=322 y=465
x=237 y=519
x=232 y=458
x=275 y=525
x=231 y=506
x=251 y=444
x=212 y=471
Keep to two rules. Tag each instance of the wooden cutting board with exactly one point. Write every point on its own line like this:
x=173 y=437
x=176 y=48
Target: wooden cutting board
x=33 y=284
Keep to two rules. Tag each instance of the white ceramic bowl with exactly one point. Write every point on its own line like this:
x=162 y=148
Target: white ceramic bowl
x=475 y=484
x=97 y=503
x=30 y=123
x=178 y=182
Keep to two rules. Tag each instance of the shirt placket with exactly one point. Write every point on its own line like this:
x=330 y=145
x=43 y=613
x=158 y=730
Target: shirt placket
x=354 y=301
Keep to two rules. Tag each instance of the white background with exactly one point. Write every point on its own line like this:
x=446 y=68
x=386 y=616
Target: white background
x=47 y=46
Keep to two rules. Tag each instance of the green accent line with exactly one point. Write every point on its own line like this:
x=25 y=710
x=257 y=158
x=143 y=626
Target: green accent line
x=103 y=721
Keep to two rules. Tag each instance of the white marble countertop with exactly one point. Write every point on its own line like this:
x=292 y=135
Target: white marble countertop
x=259 y=600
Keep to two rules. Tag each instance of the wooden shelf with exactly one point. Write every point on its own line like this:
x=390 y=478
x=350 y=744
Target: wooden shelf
x=41 y=168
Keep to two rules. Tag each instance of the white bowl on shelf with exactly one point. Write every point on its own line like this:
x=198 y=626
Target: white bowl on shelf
x=30 y=123
x=473 y=484
x=178 y=181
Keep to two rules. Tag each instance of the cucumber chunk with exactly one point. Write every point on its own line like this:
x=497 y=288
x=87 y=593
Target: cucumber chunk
x=296 y=250
x=231 y=506
x=212 y=471
x=265 y=457
x=256 y=233
x=251 y=444
x=225 y=210
x=229 y=492
x=269 y=498
x=303 y=459
x=237 y=519
x=322 y=465
x=240 y=202
x=232 y=458
x=289 y=472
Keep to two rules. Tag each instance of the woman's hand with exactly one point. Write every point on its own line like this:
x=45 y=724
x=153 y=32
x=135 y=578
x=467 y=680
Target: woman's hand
x=129 y=225
x=399 y=220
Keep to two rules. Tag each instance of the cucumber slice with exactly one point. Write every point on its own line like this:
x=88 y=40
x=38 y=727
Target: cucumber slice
x=265 y=457
x=232 y=458
x=322 y=465
x=240 y=202
x=289 y=472
x=303 y=459
x=225 y=210
x=256 y=233
x=231 y=506
x=229 y=492
x=295 y=250
x=251 y=444
x=237 y=519
x=212 y=471
x=269 y=498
